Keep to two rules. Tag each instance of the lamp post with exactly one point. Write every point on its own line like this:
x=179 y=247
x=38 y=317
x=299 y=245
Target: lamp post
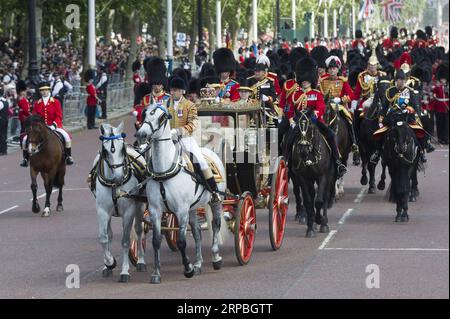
x=91 y=35
x=33 y=70
x=200 y=21
x=218 y=24
x=169 y=35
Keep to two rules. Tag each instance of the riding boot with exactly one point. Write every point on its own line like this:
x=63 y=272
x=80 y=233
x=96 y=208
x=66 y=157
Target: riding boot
x=211 y=184
x=340 y=168
x=69 y=159
x=25 y=159
x=428 y=146
x=355 y=148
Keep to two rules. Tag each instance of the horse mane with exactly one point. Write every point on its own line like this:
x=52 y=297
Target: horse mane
x=34 y=119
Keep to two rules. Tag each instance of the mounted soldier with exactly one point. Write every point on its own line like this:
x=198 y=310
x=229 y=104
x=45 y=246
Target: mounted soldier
x=157 y=78
x=263 y=87
x=340 y=93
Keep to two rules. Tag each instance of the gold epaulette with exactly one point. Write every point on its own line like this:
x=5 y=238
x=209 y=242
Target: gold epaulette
x=343 y=78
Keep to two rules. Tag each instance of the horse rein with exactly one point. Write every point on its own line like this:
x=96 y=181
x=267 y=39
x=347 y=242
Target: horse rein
x=304 y=126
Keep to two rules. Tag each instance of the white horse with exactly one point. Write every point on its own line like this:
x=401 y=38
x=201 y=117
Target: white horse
x=114 y=177
x=173 y=189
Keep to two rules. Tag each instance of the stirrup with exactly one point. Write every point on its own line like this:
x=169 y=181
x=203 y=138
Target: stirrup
x=429 y=147
x=355 y=149
x=341 y=169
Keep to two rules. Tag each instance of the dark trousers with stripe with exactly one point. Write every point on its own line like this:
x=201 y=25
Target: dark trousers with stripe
x=442 y=126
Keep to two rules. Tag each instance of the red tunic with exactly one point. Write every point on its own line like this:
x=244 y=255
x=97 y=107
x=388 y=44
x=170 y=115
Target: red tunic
x=289 y=87
x=276 y=84
x=346 y=92
x=420 y=44
x=311 y=99
x=137 y=80
x=440 y=99
x=51 y=113
x=231 y=87
x=24 y=110
x=357 y=43
x=92 y=95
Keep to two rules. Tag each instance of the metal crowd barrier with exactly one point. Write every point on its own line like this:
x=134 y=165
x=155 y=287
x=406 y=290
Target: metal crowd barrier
x=119 y=96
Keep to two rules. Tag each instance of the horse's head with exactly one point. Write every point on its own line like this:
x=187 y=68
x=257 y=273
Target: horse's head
x=37 y=133
x=401 y=135
x=305 y=140
x=113 y=145
x=331 y=111
x=154 y=118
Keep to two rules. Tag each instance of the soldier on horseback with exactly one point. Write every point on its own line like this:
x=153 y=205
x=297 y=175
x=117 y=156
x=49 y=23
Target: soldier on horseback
x=50 y=110
x=341 y=93
x=400 y=98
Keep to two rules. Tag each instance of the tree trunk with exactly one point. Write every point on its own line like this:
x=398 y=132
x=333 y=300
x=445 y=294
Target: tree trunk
x=134 y=28
x=210 y=26
x=192 y=35
x=161 y=36
x=39 y=33
x=109 y=26
x=234 y=30
x=24 y=44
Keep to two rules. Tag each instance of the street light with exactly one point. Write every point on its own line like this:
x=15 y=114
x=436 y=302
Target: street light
x=33 y=69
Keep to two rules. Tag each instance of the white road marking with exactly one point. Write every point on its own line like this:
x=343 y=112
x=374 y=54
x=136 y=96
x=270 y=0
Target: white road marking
x=28 y=190
x=441 y=150
x=327 y=239
x=360 y=196
x=388 y=249
x=344 y=217
x=9 y=209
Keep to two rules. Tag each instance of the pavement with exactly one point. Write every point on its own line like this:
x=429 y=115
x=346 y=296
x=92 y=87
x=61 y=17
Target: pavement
x=365 y=255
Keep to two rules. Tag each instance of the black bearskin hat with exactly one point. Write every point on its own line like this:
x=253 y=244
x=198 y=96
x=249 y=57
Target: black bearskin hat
x=209 y=80
x=296 y=55
x=177 y=83
x=338 y=53
x=156 y=71
x=320 y=54
x=224 y=60
x=89 y=75
x=442 y=71
x=421 y=35
x=136 y=66
x=21 y=86
x=194 y=86
x=429 y=31
x=394 y=32
x=207 y=70
x=142 y=89
x=306 y=70
x=358 y=34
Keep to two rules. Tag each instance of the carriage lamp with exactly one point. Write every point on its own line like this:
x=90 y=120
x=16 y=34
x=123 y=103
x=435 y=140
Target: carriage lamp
x=251 y=135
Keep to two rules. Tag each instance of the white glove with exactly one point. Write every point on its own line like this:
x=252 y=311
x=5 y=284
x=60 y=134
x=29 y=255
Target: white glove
x=367 y=103
x=354 y=105
x=280 y=119
x=52 y=126
x=293 y=124
x=174 y=132
x=337 y=100
x=264 y=98
x=380 y=125
x=135 y=113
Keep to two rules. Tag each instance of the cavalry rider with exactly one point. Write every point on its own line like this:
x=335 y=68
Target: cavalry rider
x=358 y=43
x=225 y=65
x=340 y=93
x=25 y=109
x=399 y=97
x=365 y=88
x=392 y=42
x=263 y=59
x=263 y=87
x=50 y=110
x=308 y=97
x=184 y=122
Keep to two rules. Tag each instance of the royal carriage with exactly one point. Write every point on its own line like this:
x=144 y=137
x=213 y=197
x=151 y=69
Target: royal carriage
x=244 y=136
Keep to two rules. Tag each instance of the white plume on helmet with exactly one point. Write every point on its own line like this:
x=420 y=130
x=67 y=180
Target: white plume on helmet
x=335 y=58
x=263 y=59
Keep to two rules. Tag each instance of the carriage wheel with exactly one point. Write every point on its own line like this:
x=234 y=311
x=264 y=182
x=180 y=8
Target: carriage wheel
x=278 y=204
x=133 y=251
x=244 y=229
x=172 y=235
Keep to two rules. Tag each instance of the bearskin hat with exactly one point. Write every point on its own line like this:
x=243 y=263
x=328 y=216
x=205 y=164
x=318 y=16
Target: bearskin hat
x=89 y=75
x=393 y=34
x=182 y=73
x=142 y=89
x=353 y=75
x=21 y=86
x=338 y=53
x=296 y=55
x=177 y=83
x=224 y=60
x=249 y=63
x=421 y=35
x=136 y=66
x=442 y=71
x=194 y=86
x=358 y=34
x=439 y=52
x=429 y=31
x=207 y=70
x=422 y=72
x=156 y=71
x=306 y=70
x=320 y=54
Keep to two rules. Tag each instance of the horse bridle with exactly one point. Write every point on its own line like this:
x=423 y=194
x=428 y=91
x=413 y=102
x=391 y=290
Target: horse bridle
x=400 y=150
x=304 y=126
x=40 y=146
x=112 y=150
x=165 y=117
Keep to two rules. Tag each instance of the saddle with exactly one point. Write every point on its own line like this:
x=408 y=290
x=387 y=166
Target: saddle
x=417 y=128
x=194 y=168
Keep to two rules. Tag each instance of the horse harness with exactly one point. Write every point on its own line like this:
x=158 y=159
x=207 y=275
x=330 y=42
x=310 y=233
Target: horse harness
x=304 y=126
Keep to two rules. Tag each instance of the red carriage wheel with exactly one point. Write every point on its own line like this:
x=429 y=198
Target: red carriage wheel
x=133 y=251
x=244 y=229
x=278 y=203
x=172 y=235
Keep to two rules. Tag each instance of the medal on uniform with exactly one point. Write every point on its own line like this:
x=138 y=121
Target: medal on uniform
x=180 y=112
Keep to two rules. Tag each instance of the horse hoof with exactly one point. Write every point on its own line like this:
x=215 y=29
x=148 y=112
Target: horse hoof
x=59 y=208
x=217 y=265
x=381 y=185
x=107 y=273
x=324 y=229
x=302 y=220
x=114 y=264
x=155 y=279
x=371 y=190
x=397 y=218
x=124 y=278
x=310 y=234
x=364 y=180
x=36 y=208
x=46 y=212
x=412 y=199
x=197 y=270
x=404 y=219
x=141 y=267
x=189 y=273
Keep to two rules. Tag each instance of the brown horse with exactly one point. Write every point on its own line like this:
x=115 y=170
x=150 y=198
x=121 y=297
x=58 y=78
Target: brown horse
x=46 y=157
